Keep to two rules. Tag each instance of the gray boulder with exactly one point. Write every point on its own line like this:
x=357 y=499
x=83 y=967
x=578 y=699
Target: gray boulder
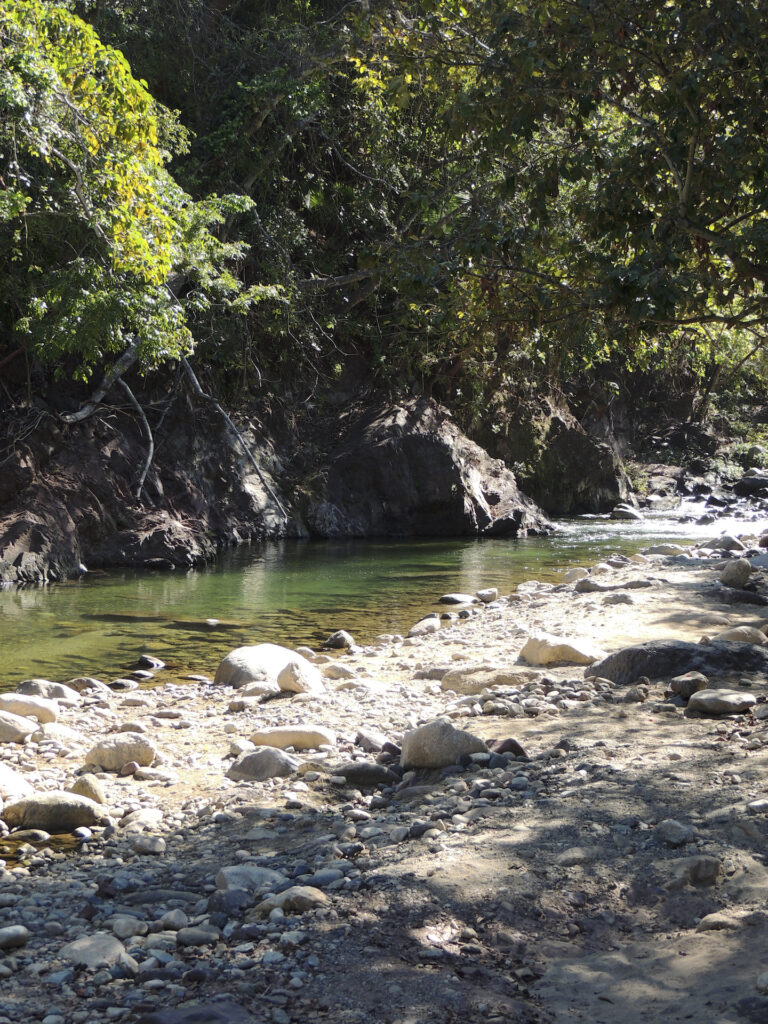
x=92 y=951
x=736 y=572
x=659 y=658
x=438 y=744
x=270 y=664
x=45 y=688
x=721 y=702
x=262 y=764
x=407 y=470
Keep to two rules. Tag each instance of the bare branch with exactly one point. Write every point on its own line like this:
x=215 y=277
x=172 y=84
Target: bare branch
x=147 y=431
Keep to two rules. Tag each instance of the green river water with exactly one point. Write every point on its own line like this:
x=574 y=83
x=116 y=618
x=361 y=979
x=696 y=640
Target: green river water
x=290 y=593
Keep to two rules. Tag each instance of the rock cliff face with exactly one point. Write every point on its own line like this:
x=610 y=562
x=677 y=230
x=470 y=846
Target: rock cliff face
x=409 y=471
x=67 y=493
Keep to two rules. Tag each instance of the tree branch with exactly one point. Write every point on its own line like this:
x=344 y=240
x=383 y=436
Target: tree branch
x=150 y=440
x=123 y=364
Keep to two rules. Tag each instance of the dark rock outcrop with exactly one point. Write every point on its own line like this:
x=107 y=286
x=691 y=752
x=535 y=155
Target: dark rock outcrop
x=408 y=470
x=667 y=658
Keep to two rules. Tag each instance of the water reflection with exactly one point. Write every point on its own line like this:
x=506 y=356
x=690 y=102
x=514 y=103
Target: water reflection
x=287 y=592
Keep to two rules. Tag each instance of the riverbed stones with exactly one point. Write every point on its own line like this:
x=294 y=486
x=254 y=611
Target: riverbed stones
x=300 y=737
x=721 y=702
x=736 y=572
x=269 y=663
x=438 y=744
x=113 y=752
x=547 y=649
x=55 y=812
x=250 y=877
x=297 y=899
x=262 y=764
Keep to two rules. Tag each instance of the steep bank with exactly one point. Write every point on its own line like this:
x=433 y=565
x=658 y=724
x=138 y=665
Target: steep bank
x=68 y=498
x=614 y=869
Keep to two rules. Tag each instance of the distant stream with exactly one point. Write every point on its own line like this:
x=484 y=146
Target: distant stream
x=292 y=592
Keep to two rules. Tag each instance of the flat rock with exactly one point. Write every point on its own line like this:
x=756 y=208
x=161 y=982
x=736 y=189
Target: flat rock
x=457 y=599
x=365 y=774
x=438 y=744
x=475 y=679
x=546 y=649
x=41 y=708
x=743 y=635
x=300 y=737
x=92 y=951
x=658 y=658
x=113 y=752
x=261 y=764
x=56 y=812
x=721 y=702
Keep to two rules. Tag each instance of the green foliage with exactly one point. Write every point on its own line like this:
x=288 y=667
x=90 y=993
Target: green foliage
x=93 y=228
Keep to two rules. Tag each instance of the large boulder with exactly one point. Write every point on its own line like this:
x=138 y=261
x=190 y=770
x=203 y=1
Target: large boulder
x=407 y=470
x=15 y=728
x=55 y=812
x=666 y=658
x=262 y=764
x=271 y=664
x=51 y=691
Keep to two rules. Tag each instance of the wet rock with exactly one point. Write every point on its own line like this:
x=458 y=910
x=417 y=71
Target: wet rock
x=56 y=812
x=721 y=702
x=300 y=737
x=546 y=649
x=340 y=640
x=658 y=658
x=438 y=744
x=113 y=752
x=261 y=764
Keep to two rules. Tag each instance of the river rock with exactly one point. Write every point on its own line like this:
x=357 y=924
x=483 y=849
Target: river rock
x=438 y=744
x=407 y=470
x=57 y=731
x=688 y=683
x=261 y=764
x=658 y=658
x=300 y=737
x=250 y=877
x=736 y=572
x=296 y=900
x=51 y=691
x=55 y=812
x=15 y=728
x=82 y=684
x=366 y=774
x=457 y=599
x=112 y=752
x=88 y=785
x=488 y=594
x=675 y=833
x=575 y=574
x=256 y=664
x=429 y=624
x=475 y=679
x=13 y=936
x=220 y=1012
x=340 y=640
x=92 y=951
x=743 y=635
x=546 y=649
x=336 y=670
x=300 y=676
x=626 y=512
x=13 y=785
x=721 y=702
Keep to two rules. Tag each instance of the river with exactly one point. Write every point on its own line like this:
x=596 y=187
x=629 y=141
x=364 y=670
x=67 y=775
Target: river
x=290 y=593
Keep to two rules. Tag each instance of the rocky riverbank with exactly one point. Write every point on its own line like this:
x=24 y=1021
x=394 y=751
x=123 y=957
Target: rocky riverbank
x=550 y=806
